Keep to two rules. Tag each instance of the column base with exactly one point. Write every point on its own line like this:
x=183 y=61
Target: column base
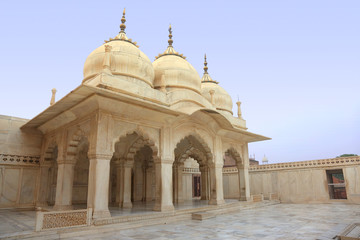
x=127 y=205
x=245 y=199
x=216 y=202
x=63 y=207
x=162 y=208
x=101 y=214
x=204 y=198
x=41 y=204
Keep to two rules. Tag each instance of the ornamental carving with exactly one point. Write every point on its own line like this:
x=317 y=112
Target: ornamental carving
x=64 y=219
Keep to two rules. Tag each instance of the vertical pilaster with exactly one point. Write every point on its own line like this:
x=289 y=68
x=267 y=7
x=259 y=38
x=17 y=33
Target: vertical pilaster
x=148 y=183
x=164 y=171
x=43 y=186
x=100 y=153
x=243 y=170
x=216 y=176
x=99 y=176
x=204 y=182
x=180 y=170
x=163 y=175
x=64 y=185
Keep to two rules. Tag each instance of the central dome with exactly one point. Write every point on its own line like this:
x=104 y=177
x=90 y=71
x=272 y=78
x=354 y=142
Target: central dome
x=173 y=72
x=120 y=56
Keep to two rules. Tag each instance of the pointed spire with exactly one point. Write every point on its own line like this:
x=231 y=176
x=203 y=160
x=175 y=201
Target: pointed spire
x=170 y=41
x=205 y=65
x=122 y=25
x=170 y=49
x=206 y=77
x=122 y=36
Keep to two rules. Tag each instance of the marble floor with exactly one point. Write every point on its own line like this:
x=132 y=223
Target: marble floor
x=280 y=221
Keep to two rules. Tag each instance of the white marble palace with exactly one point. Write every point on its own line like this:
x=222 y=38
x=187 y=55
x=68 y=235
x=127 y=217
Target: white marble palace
x=126 y=133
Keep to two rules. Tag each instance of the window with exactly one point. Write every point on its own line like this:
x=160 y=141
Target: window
x=336 y=184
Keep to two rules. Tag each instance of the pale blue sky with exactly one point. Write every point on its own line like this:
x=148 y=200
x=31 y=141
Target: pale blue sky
x=295 y=65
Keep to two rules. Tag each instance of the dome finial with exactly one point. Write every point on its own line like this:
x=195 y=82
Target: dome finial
x=170 y=41
x=170 y=49
x=123 y=20
x=205 y=65
x=206 y=77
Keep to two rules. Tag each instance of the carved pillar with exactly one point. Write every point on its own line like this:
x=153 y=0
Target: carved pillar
x=163 y=177
x=128 y=166
x=119 y=182
x=204 y=182
x=148 y=183
x=178 y=183
x=100 y=153
x=243 y=169
x=216 y=185
x=99 y=177
x=44 y=183
x=64 y=185
x=216 y=176
x=175 y=183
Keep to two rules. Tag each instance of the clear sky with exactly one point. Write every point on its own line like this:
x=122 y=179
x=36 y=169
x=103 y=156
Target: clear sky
x=295 y=65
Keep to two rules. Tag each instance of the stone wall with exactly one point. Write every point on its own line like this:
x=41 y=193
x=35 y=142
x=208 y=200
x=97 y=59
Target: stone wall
x=305 y=182
x=19 y=163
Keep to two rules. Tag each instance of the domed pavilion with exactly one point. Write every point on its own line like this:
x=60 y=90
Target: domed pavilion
x=129 y=131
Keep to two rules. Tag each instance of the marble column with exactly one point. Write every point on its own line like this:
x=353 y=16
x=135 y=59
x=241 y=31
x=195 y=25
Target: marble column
x=98 y=189
x=128 y=166
x=243 y=169
x=43 y=184
x=216 y=184
x=119 y=183
x=204 y=183
x=64 y=185
x=180 y=170
x=244 y=190
x=163 y=177
x=148 y=184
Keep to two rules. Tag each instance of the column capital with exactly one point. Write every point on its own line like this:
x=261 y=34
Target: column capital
x=216 y=165
x=100 y=156
x=164 y=161
x=128 y=164
x=66 y=161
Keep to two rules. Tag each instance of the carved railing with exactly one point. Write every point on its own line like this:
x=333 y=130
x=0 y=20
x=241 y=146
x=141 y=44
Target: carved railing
x=19 y=159
x=191 y=170
x=230 y=170
x=257 y=198
x=62 y=219
x=331 y=162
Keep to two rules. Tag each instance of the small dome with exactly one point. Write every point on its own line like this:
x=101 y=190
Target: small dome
x=125 y=59
x=220 y=99
x=172 y=71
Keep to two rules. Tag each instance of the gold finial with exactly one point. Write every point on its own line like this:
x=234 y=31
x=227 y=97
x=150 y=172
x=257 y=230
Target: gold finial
x=123 y=20
x=205 y=65
x=170 y=41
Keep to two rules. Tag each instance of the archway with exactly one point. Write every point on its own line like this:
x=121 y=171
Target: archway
x=132 y=177
x=190 y=149
x=81 y=174
x=233 y=174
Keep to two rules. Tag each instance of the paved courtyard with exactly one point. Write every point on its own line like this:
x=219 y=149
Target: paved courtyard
x=281 y=221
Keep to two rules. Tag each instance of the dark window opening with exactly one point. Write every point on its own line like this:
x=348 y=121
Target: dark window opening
x=196 y=186
x=336 y=184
